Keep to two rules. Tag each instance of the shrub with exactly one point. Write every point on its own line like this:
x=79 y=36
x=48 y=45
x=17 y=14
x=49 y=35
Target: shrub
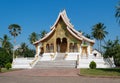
x=4 y=57
x=8 y=66
x=92 y=65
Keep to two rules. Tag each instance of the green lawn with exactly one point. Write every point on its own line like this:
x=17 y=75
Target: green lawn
x=5 y=70
x=114 y=72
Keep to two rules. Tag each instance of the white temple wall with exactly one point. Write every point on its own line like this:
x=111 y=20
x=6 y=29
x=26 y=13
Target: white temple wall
x=39 y=45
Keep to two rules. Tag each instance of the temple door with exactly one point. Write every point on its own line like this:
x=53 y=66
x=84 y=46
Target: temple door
x=63 y=46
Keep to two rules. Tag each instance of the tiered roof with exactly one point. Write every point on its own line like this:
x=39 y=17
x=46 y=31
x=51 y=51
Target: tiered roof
x=70 y=28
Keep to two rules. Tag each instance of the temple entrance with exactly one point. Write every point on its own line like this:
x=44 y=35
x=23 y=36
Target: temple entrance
x=58 y=43
x=61 y=45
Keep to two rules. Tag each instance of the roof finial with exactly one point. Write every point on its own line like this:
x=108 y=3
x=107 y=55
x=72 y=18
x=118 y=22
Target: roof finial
x=64 y=11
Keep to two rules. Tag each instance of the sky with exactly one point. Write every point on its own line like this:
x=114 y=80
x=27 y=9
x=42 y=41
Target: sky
x=38 y=15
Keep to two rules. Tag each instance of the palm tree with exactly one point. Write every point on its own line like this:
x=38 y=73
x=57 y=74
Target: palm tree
x=33 y=37
x=23 y=48
x=6 y=44
x=99 y=33
x=43 y=33
x=24 y=51
x=14 y=30
x=117 y=14
x=4 y=40
x=88 y=36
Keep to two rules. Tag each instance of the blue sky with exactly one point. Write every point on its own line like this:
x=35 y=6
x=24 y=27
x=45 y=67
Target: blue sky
x=38 y=15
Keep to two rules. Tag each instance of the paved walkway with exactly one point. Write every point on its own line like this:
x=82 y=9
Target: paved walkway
x=43 y=72
x=51 y=76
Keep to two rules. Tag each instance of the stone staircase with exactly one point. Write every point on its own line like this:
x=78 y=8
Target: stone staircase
x=59 y=62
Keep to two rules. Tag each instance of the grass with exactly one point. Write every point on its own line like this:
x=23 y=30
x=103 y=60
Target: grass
x=112 y=72
x=5 y=70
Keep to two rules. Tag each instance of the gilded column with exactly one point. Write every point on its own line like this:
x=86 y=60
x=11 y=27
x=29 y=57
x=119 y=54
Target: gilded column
x=44 y=46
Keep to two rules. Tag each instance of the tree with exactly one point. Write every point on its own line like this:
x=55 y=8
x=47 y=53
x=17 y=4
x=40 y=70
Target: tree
x=22 y=49
x=116 y=56
x=25 y=51
x=4 y=40
x=85 y=34
x=109 y=51
x=99 y=33
x=4 y=58
x=6 y=44
x=33 y=37
x=29 y=53
x=43 y=33
x=117 y=14
x=14 y=30
x=88 y=36
x=112 y=49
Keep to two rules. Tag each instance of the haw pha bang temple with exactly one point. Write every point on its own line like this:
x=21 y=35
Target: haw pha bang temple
x=63 y=47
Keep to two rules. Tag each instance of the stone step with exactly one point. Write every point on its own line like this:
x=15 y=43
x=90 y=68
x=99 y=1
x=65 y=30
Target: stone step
x=54 y=64
x=41 y=67
x=60 y=56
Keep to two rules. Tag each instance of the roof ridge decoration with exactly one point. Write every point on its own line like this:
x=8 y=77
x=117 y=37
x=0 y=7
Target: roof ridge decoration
x=65 y=19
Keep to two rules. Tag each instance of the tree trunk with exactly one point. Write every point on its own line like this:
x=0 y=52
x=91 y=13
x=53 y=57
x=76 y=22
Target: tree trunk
x=14 y=48
x=0 y=69
x=100 y=46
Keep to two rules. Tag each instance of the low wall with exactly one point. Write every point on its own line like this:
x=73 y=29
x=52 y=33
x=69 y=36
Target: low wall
x=22 y=63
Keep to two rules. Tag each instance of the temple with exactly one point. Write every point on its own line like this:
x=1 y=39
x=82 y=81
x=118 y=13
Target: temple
x=63 y=38
x=63 y=47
